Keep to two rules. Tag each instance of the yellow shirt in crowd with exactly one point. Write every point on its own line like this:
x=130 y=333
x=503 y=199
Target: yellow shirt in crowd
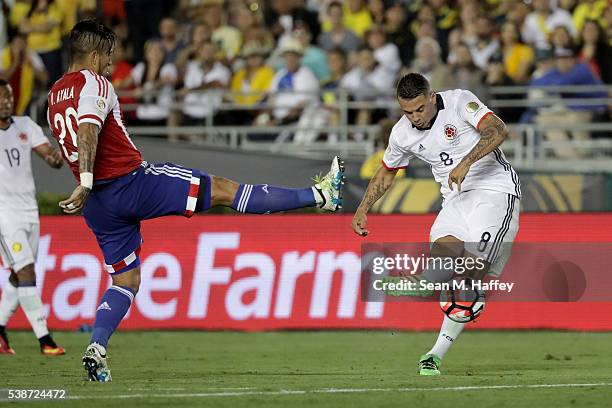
x=260 y=82
x=369 y=167
x=358 y=22
x=513 y=59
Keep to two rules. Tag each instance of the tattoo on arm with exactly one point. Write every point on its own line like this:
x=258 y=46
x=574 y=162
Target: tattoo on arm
x=380 y=183
x=492 y=134
x=87 y=140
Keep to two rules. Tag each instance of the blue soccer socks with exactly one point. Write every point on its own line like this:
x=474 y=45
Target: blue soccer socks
x=265 y=199
x=114 y=305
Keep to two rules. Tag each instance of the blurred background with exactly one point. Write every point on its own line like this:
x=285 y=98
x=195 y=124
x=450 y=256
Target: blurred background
x=292 y=82
x=268 y=91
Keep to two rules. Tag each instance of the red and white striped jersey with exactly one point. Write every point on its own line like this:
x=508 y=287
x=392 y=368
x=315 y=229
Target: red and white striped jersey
x=84 y=97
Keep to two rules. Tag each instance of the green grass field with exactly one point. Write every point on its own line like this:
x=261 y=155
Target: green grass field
x=294 y=369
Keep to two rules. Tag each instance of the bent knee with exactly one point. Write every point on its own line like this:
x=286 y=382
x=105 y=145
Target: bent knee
x=26 y=274
x=222 y=190
x=129 y=279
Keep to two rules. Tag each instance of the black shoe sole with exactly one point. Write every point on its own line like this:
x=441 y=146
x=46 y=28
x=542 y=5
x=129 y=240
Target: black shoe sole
x=91 y=367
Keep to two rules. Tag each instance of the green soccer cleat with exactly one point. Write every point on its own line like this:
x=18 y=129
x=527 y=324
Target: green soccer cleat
x=327 y=189
x=429 y=364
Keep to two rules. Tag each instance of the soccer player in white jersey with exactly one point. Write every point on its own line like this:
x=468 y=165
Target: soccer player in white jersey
x=19 y=224
x=459 y=137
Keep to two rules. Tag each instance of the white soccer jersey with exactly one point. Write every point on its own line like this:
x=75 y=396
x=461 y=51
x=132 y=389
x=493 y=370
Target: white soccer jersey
x=17 y=191
x=451 y=137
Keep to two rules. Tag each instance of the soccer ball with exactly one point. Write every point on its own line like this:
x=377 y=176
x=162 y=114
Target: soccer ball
x=462 y=305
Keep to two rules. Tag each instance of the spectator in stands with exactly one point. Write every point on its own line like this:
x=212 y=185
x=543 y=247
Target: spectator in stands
x=121 y=78
x=154 y=82
x=368 y=81
x=541 y=22
x=5 y=12
x=357 y=17
x=398 y=32
x=568 y=71
x=589 y=10
x=486 y=43
x=314 y=57
x=428 y=63
x=560 y=37
x=495 y=75
x=282 y=16
x=42 y=26
x=143 y=17
x=23 y=69
x=227 y=38
x=518 y=57
x=338 y=64
x=200 y=35
x=464 y=72
x=338 y=35
x=385 y=53
x=293 y=89
x=255 y=78
x=245 y=17
x=468 y=15
x=544 y=63
x=204 y=78
x=595 y=51
x=170 y=35
x=259 y=34
x=377 y=11
x=191 y=10
x=518 y=13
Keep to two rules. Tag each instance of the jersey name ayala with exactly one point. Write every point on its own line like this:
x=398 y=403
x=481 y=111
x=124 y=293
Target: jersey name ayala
x=84 y=97
x=453 y=134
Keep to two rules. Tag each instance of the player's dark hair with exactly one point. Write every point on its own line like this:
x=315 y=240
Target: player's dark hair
x=88 y=36
x=412 y=85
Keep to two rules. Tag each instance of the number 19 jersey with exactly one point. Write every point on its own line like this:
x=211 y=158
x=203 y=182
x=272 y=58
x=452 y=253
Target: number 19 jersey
x=84 y=97
x=453 y=134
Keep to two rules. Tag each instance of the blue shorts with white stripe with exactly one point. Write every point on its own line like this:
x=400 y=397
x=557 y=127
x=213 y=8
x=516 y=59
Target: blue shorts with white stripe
x=116 y=207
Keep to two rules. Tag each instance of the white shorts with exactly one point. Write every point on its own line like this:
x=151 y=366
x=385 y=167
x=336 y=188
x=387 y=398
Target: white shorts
x=19 y=244
x=486 y=220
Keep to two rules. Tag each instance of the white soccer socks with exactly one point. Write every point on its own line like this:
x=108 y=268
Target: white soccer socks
x=449 y=332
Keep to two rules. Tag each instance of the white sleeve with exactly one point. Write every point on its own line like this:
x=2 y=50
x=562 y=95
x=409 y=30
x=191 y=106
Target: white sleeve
x=471 y=109
x=395 y=157
x=37 y=137
x=37 y=62
x=168 y=71
x=96 y=99
x=138 y=73
x=220 y=74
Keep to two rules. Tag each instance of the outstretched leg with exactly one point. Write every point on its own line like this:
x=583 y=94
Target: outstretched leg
x=266 y=199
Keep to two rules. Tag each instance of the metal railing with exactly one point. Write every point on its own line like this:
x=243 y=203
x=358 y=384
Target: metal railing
x=528 y=148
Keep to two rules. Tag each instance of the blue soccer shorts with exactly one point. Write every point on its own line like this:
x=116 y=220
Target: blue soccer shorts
x=115 y=208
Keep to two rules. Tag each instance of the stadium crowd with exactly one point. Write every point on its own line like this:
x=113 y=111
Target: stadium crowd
x=283 y=61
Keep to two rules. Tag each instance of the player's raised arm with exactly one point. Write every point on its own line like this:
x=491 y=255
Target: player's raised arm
x=379 y=184
x=87 y=141
x=493 y=132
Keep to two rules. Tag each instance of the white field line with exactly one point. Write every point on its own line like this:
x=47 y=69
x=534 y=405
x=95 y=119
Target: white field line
x=336 y=391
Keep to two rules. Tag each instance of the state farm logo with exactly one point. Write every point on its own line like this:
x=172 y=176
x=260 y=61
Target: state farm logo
x=223 y=283
x=450 y=132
